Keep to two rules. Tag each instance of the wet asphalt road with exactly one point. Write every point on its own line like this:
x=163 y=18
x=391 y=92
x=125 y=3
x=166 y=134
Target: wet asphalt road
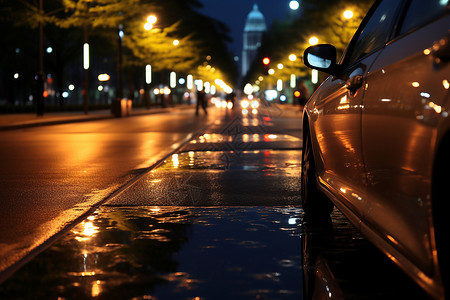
x=219 y=219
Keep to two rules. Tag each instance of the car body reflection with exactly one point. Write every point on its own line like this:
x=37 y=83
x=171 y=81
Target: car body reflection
x=338 y=263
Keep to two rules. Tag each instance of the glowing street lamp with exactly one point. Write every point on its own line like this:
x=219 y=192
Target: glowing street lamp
x=86 y=56
x=173 y=79
x=151 y=20
x=292 y=57
x=103 y=77
x=315 y=74
x=294 y=5
x=313 y=41
x=348 y=14
x=293 y=81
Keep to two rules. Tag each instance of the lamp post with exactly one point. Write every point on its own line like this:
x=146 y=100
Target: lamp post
x=293 y=79
x=119 y=64
x=151 y=21
x=86 y=71
x=40 y=76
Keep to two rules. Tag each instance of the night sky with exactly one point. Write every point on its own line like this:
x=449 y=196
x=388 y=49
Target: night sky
x=234 y=13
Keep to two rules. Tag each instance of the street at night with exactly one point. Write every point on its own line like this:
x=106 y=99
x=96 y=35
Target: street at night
x=206 y=149
x=214 y=214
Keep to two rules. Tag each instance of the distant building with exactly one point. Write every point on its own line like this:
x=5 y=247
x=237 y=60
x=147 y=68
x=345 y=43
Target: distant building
x=254 y=28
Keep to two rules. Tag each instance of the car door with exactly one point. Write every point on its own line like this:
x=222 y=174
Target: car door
x=402 y=104
x=338 y=108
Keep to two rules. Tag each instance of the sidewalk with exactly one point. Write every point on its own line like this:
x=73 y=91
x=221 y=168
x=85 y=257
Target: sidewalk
x=25 y=120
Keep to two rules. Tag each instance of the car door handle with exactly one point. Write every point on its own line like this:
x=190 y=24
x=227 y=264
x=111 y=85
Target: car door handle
x=354 y=83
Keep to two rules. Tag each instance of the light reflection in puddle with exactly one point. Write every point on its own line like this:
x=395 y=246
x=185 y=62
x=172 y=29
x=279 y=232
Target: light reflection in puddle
x=246 y=138
x=172 y=253
x=284 y=161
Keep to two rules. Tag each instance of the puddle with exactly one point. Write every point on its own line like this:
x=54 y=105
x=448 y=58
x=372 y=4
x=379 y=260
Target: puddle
x=215 y=178
x=256 y=160
x=240 y=139
x=244 y=138
x=170 y=253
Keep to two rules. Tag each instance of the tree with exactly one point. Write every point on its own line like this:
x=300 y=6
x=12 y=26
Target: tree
x=162 y=48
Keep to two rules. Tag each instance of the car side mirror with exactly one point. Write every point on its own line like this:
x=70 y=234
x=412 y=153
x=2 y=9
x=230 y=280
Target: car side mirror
x=321 y=57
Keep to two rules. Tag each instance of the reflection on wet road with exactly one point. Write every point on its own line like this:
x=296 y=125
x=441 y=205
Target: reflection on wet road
x=171 y=253
x=260 y=177
x=338 y=263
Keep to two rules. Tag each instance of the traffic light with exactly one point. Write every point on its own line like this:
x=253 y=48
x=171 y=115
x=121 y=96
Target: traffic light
x=266 y=62
x=297 y=95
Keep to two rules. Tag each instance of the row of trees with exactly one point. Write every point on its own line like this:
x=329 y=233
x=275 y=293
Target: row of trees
x=67 y=24
x=321 y=19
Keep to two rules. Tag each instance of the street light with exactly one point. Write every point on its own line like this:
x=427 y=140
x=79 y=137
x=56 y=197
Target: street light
x=348 y=14
x=314 y=74
x=151 y=20
x=294 y=5
x=119 y=65
x=86 y=56
x=313 y=41
x=148 y=74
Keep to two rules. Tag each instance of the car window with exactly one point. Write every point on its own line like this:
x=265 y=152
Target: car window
x=421 y=11
x=377 y=30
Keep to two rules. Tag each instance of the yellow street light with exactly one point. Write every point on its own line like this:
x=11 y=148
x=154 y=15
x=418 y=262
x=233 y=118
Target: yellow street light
x=348 y=14
x=313 y=40
x=151 y=20
x=292 y=57
x=103 y=77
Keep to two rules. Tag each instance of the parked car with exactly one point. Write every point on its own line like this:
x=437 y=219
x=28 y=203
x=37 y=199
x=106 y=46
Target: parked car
x=376 y=136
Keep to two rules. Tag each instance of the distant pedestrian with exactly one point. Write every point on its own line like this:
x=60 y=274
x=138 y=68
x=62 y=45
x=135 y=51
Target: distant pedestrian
x=201 y=101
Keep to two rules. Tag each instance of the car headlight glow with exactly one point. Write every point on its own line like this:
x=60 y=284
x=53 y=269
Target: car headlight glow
x=255 y=104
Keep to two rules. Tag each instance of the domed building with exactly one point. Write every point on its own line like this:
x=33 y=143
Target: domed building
x=254 y=28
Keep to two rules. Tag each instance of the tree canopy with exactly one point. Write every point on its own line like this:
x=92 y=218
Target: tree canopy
x=180 y=41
